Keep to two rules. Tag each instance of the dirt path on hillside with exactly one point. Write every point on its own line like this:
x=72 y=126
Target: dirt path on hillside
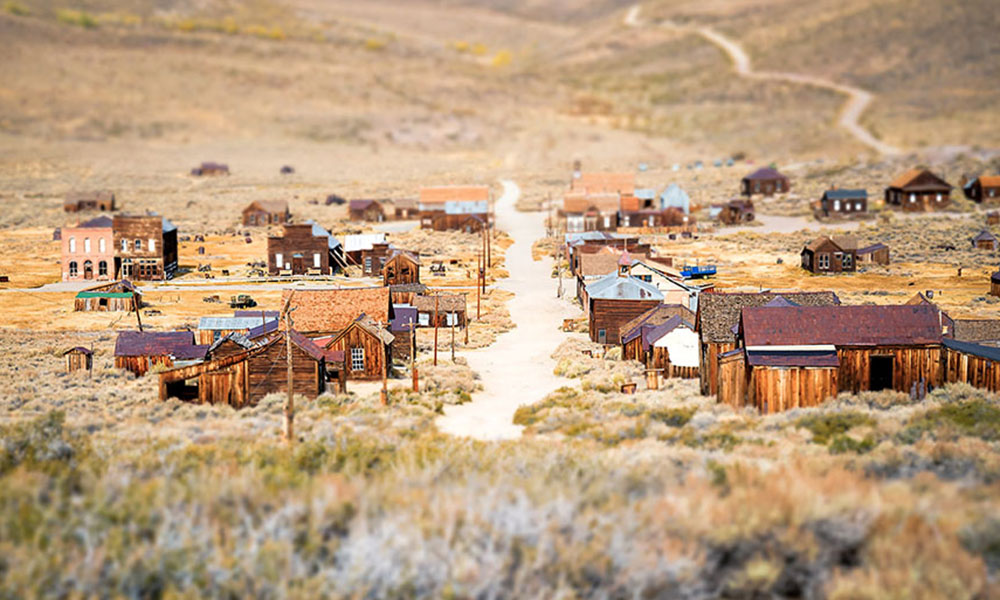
x=517 y=369
x=850 y=115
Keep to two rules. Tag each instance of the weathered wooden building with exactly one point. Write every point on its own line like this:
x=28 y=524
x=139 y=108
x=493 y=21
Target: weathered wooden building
x=799 y=356
x=918 y=190
x=114 y=296
x=985 y=240
x=139 y=351
x=242 y=378
x=79 y=359
x=357 y=246
x=764 y=181
x=830 y=255
x=404 y=293
x=995 y=283
x=875 y=254
x=717 y=318
x=616 y=299
x=401 y=268
x=145 y=247
x=649 y=338
x=843 y=202
x=367 y=348
x=450 y=308
x=266 y=212
x=366 y=210
x=103 y=200
x=325 y=312
x=402 y=328
x=974 y=364
x=210 y=169
x=985 y=188
x=303 y=249
x=212 y=329
x=735 y=212
x=455 y=208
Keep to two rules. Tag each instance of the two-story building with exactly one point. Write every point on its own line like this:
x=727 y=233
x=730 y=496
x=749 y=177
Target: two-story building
x=88 y=251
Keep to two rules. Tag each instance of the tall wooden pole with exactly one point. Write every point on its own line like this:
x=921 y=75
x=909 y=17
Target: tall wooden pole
x=452 y=336
x=436 y=299
x=386 y=357
x=489 y=247
x=413 y=357
x=479 y=276
x=466 y=313
x=135 y=305
x=290 y=400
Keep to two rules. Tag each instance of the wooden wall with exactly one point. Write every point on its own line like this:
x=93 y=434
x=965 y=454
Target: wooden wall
x=376 y=353
x=268 y=372
x=911 y=364
x=94 y=304
x=400 y=269
x=710 y=352
x=298 y=239
x=610 y=315
x=774 y=390
x=659 y=358
x=78 y=361
x=994 y=288
x=732 y=380
x=140 y=365
x=975 y=370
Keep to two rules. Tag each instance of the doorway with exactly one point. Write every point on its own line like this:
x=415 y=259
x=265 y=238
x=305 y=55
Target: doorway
x=880 y=373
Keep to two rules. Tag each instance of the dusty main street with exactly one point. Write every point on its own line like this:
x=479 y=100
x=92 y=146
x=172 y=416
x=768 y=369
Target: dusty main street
x=518 y=368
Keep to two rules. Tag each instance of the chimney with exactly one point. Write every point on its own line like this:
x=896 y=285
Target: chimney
x=625 y=265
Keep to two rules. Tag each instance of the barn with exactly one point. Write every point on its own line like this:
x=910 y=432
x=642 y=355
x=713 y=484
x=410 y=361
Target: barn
x=114 y=296
x=717 y=318
x=798 y=356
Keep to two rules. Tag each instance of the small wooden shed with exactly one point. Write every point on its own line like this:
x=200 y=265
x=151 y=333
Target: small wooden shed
x=79 y=359
x=366 y=210
x=114 y=296
x=401 y=267
x=985 y=240
x=876 y=254
x=765 y=181
x=995 y=284
x=266 y=212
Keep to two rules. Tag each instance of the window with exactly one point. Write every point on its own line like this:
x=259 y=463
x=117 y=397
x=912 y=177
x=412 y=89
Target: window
x=216 y=335
x=424 y=319
x=938 y=198
x=836 y=205
x=317 y=260
x=823 y=261
x=138 y=245
x=913 y=198
x=86 y=245
x=607 y=221
x=72 y=245
x=102 y=267
x=368 y=264
x=993 y=193
x=72 y=268
x=857 y=206
x=451 y=319
x=152 y=245
x=102 y=245
x=279 y=261
x=357 y=359
x=848 y=261
x=124 y=245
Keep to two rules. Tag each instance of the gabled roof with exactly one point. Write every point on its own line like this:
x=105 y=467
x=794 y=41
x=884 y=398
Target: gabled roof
x=989 y=180
x=179 y=344
x=101 y=222
x=394 y=252
x=240 y=340
x=656 y=316
x=719 y=311
x=362 y=204
x=262 y=329
x=454 y=193
x=268 y=206
x=605 y=183
x=80 y=349
x=333 y=309
x=841 y=325
x=582 y=202
x=843 y=243
x=765 y=173
x=615 y=287
x=654 y=333
x=846 y=194
x=984 y=236
x=910 y=177
x=306 y=345
x=675 y=197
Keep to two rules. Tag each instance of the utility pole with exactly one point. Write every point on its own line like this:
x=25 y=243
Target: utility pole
x=466 y=313
x=135 y=305
x=452 y=313
x=559 y=257
x=436 y=300
x=413 y=357
x=479 y=276
x=385 y=368
x=489 y=247
x=290 y=401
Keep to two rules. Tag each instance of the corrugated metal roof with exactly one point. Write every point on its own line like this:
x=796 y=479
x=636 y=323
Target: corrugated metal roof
x=841 y=325
x=614 y=287
x=981 y=351
x=675 y=197
x=226 y=323
x=846 y=194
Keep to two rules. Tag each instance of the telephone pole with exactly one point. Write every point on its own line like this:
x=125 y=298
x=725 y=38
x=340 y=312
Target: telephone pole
x=385 y=368
x=290 y=400
x=452 y=313
x=436 y=300
x=413 y=357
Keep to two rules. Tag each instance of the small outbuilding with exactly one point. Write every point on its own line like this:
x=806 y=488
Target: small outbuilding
x=985 y=188
x=985 y=240
x=844 y=202
x=876 y=254
x=79 y=359
x=103 y=200
x=765 y=181
x=918 y=190
x=109 y=297
x=450 y=309
x=210 y=168
x=995 y=284
x=366 y=210
x=266 y=212
x=736 y=212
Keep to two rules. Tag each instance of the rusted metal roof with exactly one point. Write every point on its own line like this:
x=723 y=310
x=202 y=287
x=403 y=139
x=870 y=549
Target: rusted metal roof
x=764 y=174
x=179 y=344
x=807 y=358
x=718 y=312
x=841 y=325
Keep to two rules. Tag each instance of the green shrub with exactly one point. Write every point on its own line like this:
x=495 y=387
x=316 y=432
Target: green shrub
x=76 y=17
x=975 y=418
x=824 y=426
x=43 y=444
x=17 y=9
x=842 y=444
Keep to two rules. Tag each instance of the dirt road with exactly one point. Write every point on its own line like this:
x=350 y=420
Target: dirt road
x=857 y=98
x=516 y=369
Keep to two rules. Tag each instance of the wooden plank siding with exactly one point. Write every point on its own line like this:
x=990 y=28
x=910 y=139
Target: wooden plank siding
x=659 y=358
x=773 y=390
x=611 y=315
x=974 y=370
x=709 y=365
x=140 y=365
x=911 y=365
x=732 y=380
x=376 y=354
x=268 y=372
